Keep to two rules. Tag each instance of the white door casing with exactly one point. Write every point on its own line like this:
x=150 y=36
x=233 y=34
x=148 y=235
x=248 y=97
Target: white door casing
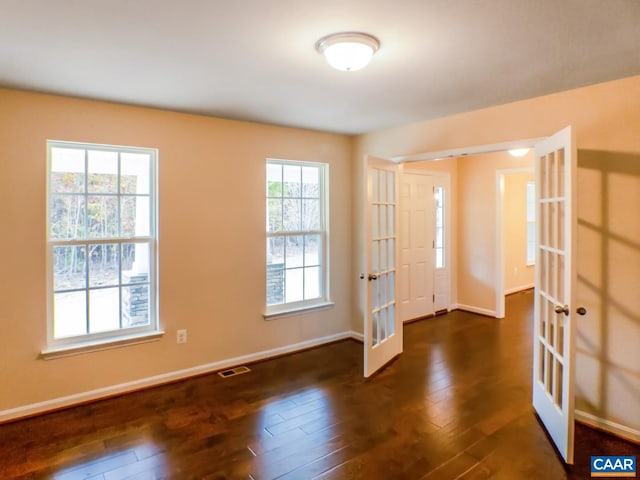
x=416 y=272
x=555 y=307
x=383 y=326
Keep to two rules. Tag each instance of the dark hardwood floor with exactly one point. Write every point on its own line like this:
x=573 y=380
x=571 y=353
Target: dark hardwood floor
x=456 y=404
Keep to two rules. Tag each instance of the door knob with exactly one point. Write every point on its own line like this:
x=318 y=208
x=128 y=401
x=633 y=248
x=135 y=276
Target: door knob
x=561 y=309
x=581 y=311
x=373 y=276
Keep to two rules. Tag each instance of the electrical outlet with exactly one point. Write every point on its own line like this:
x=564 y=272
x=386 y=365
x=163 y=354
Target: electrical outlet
x=181 y=336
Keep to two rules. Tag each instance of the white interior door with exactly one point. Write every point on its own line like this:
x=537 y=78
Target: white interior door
x=417 y=245
x=554 y=317
x=383 y=327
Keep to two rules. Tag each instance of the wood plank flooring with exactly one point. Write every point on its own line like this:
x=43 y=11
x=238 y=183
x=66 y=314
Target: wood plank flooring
x=456 y=404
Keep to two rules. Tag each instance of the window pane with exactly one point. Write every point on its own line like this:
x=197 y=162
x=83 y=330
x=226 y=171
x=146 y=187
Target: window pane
x=293 y=284
x=311 y=218
x=104 y=265
x=102 y=216
x=69 y=314
x=292 y=214
x=310 y=182
x=275 y=250
x=292 y=177
x=439 y=258
x=69 y=267
x=294 y=251
x=275 y=270
x=135 y=216
x=274 y=215
x=135 y=306
x=136 y=258
x=67 y=170
x=274 y=180
x=66 y=217
x=311 y=282
x=103 y=172
x=312 y=249
x=135 y=173
x=439 y=237
x=104 y=310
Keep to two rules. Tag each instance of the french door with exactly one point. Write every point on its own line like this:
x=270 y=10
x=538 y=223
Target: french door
x=383 y=326
x=555 y=307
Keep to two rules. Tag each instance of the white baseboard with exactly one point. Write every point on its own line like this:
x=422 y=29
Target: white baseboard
x=608 y=426
x=357 y=336
x=519 y=289
x=91 y=395
x=472 y=309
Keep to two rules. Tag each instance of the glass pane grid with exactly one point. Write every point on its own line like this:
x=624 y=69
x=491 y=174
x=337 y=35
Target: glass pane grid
x=294 y=232
x=86 y=203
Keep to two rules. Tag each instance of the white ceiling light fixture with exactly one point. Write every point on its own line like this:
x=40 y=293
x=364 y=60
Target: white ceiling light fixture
x=348 y=51
x=519 y=152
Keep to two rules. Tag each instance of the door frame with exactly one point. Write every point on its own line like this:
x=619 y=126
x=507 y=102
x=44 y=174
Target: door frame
x=500 y=261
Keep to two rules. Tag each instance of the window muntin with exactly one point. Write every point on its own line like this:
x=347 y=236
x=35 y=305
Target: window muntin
x=439 y=230
x=296 y=233
x=101 y=242
x=531 y=223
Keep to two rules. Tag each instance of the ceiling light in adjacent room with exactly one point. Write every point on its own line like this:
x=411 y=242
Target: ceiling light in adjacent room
x=348 y=51
x=519 y=152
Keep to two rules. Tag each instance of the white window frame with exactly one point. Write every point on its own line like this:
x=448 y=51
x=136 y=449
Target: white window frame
x=58 y=347
x=531 y=223
x=292 y=308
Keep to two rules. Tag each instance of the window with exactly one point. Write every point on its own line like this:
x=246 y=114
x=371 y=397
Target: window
x=531 y=223
x=101 y=242
x=439 y=242
x=296 y=235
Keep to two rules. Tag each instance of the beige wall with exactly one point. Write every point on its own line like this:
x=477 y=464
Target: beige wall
x=517 y=274
x=606 y=119
x=212 y=240
x=477 y=256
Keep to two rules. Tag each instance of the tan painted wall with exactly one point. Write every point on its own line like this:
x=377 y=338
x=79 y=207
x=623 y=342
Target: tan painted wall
x=606 y=119
x=477 y=254
x=517 y=274
x=212 y=240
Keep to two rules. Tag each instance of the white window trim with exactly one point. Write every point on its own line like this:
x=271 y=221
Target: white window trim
x=60 y=347
x=282 y=310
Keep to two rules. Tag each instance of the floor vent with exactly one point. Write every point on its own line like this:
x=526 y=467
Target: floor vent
x=234 y=371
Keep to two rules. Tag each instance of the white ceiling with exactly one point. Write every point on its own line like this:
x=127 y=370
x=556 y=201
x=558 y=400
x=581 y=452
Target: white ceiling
x=255 y=59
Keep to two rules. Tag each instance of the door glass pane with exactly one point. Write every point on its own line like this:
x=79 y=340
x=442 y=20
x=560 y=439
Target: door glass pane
x=375 y=296
x=383 y=255
x=382 y=279
x=375 y=256
x=551 y=337
x=560 y=280
x=375 y=185
x=391 y=187
x=392 y=253
x=560 y=340
x=561 y=219
x=558 y=388
x=544 y=175
x=561 y=167
x=383 y=221
x=383 y=186
x=375 y=221
x=541 y=362
x=374 y=329
x=104 y=309
x=544 y=309
x=383 y=325
x=553 y=177
x=549 y=372
x=392 y=319
x=391 y=225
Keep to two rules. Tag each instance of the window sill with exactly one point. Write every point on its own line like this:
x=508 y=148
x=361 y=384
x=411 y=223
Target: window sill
x=97 y=345
x=291 y=311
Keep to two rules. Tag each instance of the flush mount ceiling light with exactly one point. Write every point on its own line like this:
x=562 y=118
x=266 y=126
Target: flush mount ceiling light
x=348 y=51
x=518 y=152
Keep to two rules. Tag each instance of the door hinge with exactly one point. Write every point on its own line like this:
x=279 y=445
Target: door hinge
x=434 y=298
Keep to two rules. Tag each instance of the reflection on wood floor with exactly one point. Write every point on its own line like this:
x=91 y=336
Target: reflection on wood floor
x=456 y=404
